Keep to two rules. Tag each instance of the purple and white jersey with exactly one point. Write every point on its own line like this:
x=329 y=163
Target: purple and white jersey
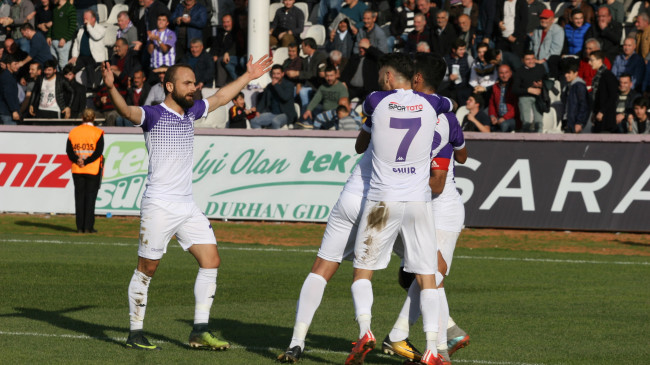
x=448 y=209
x=158 y=58
x=169 y=137
x=402 y=124
x=359 y=181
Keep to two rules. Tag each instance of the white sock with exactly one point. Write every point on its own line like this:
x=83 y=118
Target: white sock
x=450 y=322
x=362 y=297
x=429 y=307
x=311 y=295
x=414 y=310
x=138 y=289
x=408 y=315
x=443 y=317
x=205 y=288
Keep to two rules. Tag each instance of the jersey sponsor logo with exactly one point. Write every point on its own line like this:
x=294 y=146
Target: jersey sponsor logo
x=29 y=170
x=405 y=108
x=404 y=170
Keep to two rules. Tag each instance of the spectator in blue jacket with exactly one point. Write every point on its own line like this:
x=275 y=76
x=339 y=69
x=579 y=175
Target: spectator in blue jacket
x=575 y=99
x=190 y=18
x=630 y=62
x=201 y=62
x=575 y=31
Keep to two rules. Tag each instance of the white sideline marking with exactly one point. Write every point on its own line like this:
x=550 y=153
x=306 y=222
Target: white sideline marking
x=306 y=250
x=239 y=347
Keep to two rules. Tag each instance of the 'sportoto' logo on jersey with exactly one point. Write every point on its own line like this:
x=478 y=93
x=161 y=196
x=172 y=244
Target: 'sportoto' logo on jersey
x=405 y=108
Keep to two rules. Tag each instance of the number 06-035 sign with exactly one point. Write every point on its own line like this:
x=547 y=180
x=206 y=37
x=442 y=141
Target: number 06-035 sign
x=519 y=181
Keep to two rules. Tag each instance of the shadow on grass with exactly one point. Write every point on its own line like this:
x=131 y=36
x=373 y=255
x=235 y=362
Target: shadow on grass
x=268 y=341
x=631 y=243
x=53 y=227
x=92 y=330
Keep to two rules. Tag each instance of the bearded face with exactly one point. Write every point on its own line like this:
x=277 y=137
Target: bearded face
x=184 y=100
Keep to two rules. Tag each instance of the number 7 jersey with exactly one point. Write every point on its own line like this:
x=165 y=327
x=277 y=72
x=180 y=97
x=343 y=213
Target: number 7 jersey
x=402 y=124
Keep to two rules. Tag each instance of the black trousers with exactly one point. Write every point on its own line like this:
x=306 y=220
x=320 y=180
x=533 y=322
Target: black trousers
x=85 y=193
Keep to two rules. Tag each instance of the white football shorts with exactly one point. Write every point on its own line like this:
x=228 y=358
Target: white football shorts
x=380 y=224
x=160 y=220
x=341 y=230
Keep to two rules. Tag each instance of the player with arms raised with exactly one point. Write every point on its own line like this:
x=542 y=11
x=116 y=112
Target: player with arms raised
x=402 y=124
x=167 y=207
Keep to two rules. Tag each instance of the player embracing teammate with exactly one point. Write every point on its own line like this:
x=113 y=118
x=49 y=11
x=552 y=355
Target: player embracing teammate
x=387 y=195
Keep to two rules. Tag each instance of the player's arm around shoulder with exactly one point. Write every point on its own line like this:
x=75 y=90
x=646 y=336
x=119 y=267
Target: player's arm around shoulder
x=132 y=113
x=228 y=92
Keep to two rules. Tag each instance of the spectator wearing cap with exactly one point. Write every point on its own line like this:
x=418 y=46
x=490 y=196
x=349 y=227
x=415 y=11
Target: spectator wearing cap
x=547 y=42
x=588 y=11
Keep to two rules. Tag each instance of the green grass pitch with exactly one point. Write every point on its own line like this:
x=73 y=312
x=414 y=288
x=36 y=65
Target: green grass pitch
x=63 y=301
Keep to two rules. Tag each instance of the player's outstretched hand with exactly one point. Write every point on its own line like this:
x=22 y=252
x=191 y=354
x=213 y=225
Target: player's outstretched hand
x=107 y=74
x=259 y=68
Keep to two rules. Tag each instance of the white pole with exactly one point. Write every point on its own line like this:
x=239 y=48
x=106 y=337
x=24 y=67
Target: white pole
x=258 y=33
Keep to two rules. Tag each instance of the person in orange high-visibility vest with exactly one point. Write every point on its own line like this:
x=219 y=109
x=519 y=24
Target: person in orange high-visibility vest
x=84 y=148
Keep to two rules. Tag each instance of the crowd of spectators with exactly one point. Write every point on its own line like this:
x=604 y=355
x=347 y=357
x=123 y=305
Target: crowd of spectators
x=505 y=58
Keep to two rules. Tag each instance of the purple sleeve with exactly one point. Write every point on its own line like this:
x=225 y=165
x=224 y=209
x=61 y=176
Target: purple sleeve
x=150 y=115
x=446 y=152
x=371 y=103
x=199 y=108
x=440 y=104
x=171 y=38
x=456 y=136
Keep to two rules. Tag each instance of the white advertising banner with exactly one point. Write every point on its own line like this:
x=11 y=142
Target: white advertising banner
x=256 y=178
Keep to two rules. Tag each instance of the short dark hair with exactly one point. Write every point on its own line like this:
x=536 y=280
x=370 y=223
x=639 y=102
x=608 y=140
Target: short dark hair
x=163 y=14
x=478 y=98
x=432 y=67
x=576 y=11
x=399 y=62
x=599 y=54
x=38 y=65
x=482 y=45
x=529 y=53
x=491 y=54
x=122 y=40
x=170 y=75
x=309 y=42
x=330 y=69
x=459 y=42
x=50 y=63
x=625 y=74
x=67 y=69
x=342 y=108
x=293 y=45
x=26 y=26
x=570 y=65
x=238 y=95
x=642 y=102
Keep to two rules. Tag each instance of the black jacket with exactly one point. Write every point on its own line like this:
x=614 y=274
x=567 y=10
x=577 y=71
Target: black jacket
x=204 y=68
x=282 y=94
x=441 y=43
x=145 y=92
x=605 y=101
x=370 y=69
x=222 y=43
x=309 y=73
x=63 y=92
x=521 y=19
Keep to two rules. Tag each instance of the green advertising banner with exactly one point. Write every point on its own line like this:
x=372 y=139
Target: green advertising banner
x=256 y=178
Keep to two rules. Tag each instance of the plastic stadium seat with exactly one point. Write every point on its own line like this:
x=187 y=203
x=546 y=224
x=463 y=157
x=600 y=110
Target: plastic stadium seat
x=280 y=55
x=117 y=8
x=317 y=32
x=305 y=10
x=111 y=35
x=559 y=10
x=215 y=119
x=102 y=13
x=461 y=113
x=634 y=11
x=272 y=9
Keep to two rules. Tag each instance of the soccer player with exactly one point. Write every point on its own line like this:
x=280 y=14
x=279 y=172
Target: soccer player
x=337 y=243
x=402 y=124
x=449 y=215
x=167 y=207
